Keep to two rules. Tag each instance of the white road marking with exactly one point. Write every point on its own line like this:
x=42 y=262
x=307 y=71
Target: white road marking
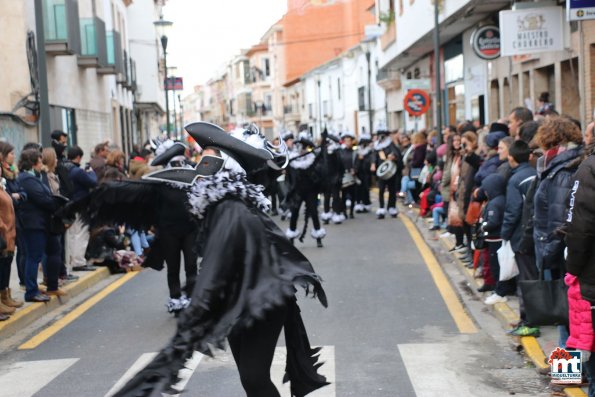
x=326 y=355
x=25 y=378
x=187 y=372
x=139 y=364
x=434 y=372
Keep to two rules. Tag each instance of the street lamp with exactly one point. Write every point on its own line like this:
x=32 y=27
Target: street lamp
x=172 y=72
x=162 y=26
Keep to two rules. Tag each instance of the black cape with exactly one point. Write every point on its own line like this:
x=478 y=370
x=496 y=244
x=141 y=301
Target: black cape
x=248 y=268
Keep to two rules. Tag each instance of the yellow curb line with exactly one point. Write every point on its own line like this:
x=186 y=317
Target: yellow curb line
x=457 y=311
x=574 y=392
x=32 y=312
x=534 y=351
x=77 y=312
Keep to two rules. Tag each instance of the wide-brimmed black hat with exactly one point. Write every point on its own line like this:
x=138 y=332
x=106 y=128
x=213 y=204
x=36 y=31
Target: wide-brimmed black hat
x=177 y=149
x=211 y=135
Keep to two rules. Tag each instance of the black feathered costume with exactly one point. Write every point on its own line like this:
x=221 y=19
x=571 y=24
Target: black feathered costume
x=246 y=285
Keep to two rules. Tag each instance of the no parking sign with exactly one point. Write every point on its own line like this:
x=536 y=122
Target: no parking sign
x=417 y=102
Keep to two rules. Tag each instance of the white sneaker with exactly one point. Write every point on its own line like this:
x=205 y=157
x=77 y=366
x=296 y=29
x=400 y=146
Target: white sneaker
x=185 y=301
x=348 y=203
x=445 y=235
x=174 y=305
x=495 y=298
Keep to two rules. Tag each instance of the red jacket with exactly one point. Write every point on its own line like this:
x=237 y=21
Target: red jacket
x=580 y=320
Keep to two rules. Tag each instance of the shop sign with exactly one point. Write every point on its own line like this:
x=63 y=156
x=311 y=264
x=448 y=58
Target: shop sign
x=174 y=84
x=578 y=10
x=485 y=42
x=532 y=30
x=416 y=102
x=420 y=84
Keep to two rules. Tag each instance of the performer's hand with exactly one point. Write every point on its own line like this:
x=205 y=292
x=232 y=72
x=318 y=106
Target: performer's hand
x=391 y=157
x=373 y=168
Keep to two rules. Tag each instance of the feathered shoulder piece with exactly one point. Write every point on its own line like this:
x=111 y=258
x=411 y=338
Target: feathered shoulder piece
x=212 y=189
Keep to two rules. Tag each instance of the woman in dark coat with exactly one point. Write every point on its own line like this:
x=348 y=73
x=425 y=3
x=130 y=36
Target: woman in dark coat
x=245 y=291
x=36 y=215
x=560 y=139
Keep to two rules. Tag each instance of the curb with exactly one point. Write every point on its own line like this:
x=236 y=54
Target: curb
x=32 y=312
x=503 y=312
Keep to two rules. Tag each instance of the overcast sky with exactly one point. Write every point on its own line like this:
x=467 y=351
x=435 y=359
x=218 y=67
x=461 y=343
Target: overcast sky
x=207 y=33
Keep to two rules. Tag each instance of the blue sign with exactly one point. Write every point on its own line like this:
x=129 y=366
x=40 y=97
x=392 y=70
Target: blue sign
x=578 y=10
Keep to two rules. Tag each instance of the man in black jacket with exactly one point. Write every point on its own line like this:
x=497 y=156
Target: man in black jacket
x=522 y=176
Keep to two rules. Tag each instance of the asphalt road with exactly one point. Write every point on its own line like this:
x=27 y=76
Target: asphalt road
x=387 y=332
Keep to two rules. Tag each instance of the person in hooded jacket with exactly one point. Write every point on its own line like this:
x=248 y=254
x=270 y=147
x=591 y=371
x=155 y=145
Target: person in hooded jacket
x=580 y=265
x=494 y=187
x=560 y=139
x=492 y=160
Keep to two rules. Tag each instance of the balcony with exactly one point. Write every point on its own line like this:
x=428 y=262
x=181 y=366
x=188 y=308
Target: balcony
x=389 y=36
x=93 y=43
x=128 y=78
x=114 y=62
x=61 y=27
x=389 y=79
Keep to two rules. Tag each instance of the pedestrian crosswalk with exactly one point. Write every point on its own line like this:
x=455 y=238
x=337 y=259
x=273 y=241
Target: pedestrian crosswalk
x=16 y=380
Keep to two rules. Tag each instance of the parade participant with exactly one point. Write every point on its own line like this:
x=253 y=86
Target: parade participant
x=176 y=231
x=388 y=165
x=332 y=189
x=304 y=180
x=288 y=139
x=365 y=157
x=245 y=289
x=349 y=183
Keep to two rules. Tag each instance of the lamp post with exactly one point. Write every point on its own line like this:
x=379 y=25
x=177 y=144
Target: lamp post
x=437 y=71
x=181 y=116
x=162 y=26
x=172 y=71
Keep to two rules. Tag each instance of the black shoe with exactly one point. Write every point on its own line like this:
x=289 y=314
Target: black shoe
x=39 y=298
x=486 y=288
x=380 y=216
x=435 y=228
x=351 y=216
x=456 y=248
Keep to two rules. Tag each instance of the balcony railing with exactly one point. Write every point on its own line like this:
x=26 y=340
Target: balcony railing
x=388 y=79
x=61 y=27
x=114 y=58
x=93 y=43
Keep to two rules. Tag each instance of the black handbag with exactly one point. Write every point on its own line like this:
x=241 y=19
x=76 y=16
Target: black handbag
x=546 y=301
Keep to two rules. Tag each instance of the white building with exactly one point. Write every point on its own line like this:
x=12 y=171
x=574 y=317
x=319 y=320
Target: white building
x=337 y=94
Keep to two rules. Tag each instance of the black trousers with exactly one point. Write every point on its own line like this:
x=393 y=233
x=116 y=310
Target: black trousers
x=348 y=193
x=362 y=191
x=333 y=194
x=391 y=185
x=176 y=244
x=5 y=264
x=311 y=200
x=253 y=349
x=527 y=271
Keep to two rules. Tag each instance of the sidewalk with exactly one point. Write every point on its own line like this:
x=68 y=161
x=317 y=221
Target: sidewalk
x=536 y=349
x=31 y=312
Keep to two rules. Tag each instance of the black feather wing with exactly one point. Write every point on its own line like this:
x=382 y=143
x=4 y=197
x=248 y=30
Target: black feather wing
x=135 y=203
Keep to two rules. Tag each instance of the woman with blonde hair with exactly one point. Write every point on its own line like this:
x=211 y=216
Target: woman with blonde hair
x=50 y=161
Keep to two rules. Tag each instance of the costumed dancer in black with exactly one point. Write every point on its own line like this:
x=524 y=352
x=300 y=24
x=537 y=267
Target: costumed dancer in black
x=304 y=181
x=365 y=157
x=245 y=290
x=332 y=187
x=176 y=231
x=349 y=180
x=288 y=139
x=388 y=166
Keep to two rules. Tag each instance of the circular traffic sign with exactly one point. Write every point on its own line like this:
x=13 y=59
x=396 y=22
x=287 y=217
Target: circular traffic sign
x=417 y=102
x=485 y=42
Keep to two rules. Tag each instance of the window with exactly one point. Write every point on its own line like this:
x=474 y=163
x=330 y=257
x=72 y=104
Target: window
x=361 y=98
x=266 y=67
x=325 y=111
x=310 y=110
x=339 y=88
x=268 y=102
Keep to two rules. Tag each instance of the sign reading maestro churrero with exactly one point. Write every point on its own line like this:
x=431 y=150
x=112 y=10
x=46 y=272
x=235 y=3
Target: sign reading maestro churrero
x=532 y=30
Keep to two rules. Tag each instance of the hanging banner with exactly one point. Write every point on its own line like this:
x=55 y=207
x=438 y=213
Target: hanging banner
x=527 y=31
x=485 y=42
x=578 y=10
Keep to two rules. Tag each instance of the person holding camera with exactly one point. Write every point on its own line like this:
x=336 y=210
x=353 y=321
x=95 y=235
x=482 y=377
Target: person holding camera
x=77 y=236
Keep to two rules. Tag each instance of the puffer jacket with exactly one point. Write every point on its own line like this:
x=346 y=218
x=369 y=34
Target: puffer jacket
x=551 y=200
x=580 y=320
x=580 y=228
x=487 y=168
x=494 y=187
x=516 y=190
